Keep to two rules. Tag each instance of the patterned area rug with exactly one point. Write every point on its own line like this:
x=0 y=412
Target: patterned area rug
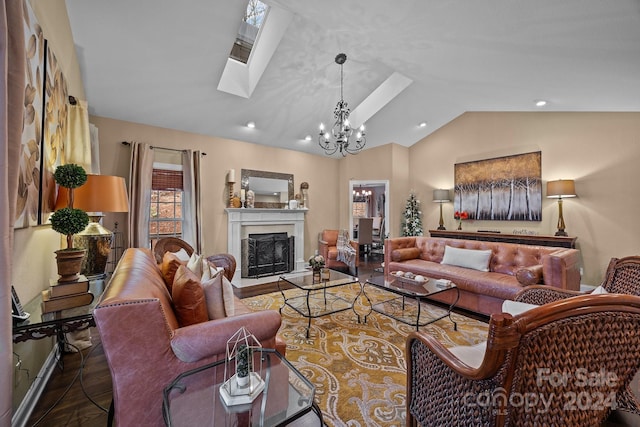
x=359 y=369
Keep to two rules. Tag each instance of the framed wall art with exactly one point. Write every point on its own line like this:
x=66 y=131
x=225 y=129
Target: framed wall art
x=27 y=203
x=54 y=131
x=503 y=188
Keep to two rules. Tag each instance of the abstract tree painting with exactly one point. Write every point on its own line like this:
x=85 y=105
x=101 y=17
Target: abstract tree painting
x=504 y=188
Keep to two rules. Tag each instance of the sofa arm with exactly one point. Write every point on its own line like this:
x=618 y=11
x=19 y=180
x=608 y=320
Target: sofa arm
x=561 y=269
x=396 y=243
x=196 y=342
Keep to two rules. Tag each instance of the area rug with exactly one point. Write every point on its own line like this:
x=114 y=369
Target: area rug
x=359 y=369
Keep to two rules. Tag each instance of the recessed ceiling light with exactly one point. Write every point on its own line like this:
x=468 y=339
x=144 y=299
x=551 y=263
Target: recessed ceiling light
x=251 y=125
x=541 y=103
x=423 y=124
x=307 y=138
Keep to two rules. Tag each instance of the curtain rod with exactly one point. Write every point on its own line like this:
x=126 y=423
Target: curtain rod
x=160 y=148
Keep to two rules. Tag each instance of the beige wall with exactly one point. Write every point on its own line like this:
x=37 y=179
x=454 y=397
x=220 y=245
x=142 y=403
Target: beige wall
x=601 y=151
x=222 y=154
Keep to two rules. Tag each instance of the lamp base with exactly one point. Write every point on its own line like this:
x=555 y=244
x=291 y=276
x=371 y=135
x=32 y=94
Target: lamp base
x=561 y=233
x=442 y=227
x=97 y=241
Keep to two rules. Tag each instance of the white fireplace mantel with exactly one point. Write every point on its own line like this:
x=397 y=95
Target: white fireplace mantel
x=238 y=218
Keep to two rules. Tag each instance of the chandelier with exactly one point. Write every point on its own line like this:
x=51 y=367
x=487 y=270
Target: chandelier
x=340 y=137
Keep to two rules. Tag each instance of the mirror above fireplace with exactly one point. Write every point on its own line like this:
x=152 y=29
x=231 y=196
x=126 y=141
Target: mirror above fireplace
x=272 y=190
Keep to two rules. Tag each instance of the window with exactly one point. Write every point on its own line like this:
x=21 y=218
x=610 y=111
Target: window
x=165 y=216
x=248 y=32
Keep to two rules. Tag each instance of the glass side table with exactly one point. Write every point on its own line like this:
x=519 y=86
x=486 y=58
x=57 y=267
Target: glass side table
x=193 y=398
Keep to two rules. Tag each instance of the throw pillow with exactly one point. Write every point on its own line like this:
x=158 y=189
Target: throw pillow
x=529 y=275
x=169 y=266
x=228 y=296
x=468 y=258
x=188 y=298
x=182 y=255
x=403 y=254
x=599 y=290
x=515 y=307
x=195 y=264
x=213 y=294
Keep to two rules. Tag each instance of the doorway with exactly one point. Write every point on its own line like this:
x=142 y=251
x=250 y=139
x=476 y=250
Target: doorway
x=369 y=199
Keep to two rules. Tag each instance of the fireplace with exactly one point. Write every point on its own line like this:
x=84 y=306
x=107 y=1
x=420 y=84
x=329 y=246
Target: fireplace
x=267 y=254
x=245 y=221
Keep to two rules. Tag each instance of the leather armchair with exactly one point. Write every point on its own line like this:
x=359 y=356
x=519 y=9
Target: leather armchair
x=327 y=247
x=516 y=378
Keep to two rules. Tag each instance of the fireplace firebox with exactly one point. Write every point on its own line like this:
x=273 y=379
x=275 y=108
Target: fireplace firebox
x=267 y=254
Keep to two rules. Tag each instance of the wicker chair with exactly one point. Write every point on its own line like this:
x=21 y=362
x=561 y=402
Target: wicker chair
x=174 y=244
x=170 y=244
x=534 y=369
x=622 y=277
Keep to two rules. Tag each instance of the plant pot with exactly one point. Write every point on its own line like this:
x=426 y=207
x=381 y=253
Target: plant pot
x=69 y=264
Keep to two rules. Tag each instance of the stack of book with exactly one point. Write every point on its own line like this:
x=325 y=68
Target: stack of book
x=64 y=295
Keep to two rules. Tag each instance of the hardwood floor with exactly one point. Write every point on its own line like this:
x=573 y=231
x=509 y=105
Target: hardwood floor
x=77 y=397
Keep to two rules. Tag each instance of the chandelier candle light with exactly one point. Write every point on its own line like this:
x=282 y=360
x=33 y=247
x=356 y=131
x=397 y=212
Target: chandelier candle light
x=342 y=130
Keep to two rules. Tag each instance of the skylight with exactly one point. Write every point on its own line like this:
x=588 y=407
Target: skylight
x=253 y=19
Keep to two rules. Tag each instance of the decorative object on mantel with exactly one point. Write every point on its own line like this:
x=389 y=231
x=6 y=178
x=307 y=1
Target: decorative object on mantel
x=460 y=216
x=341 y=130
x=557 y=190
x=441 y=196
x=304 y=189
x=69 y=221
x=235 y=201
x=412 y=222
x=242 y=382
x=251 y=197
x=231 y=179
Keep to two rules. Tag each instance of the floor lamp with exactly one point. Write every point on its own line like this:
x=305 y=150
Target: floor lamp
x=101 y=193
x=562 y=188
x=441 y=196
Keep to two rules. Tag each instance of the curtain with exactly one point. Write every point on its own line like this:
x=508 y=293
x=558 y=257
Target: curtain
x=191 y=204
x=95 y=149
x=77 y=144
x=12 y=89
x=140 y=175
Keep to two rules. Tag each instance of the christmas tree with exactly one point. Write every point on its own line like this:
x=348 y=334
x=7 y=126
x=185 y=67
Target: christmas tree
x=412 y=222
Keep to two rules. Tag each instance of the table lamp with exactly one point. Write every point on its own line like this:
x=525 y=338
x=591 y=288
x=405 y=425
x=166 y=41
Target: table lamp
x=441 y=196
x=101 y=193
x=557 y=190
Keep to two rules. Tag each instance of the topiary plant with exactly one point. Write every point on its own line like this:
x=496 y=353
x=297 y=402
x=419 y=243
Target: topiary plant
x=69 y=221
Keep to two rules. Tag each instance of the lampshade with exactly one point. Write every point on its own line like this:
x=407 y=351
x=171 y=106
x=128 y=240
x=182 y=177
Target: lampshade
x=441 y=196
x=561 y=188
x=101 y=193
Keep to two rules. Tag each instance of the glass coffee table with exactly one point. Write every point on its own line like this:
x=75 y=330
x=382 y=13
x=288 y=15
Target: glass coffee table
x=193 y=398
x=316 y=298
x=407 y=306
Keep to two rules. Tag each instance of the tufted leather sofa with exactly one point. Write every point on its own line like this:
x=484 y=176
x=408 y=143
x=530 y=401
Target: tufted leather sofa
x=511 y=268
x=145 y=347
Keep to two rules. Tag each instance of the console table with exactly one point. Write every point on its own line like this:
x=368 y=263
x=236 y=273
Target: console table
x=40 y=325
x=523 y=239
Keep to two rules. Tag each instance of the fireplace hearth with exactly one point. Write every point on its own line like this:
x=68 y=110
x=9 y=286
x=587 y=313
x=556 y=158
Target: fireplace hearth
x=267 y=254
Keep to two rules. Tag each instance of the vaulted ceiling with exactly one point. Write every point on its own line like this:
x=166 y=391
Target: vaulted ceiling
x=159 y=62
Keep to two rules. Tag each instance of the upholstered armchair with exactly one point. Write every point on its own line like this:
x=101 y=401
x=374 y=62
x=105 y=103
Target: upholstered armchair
x=622 y=277
x=328 y=248
x=565 y=363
